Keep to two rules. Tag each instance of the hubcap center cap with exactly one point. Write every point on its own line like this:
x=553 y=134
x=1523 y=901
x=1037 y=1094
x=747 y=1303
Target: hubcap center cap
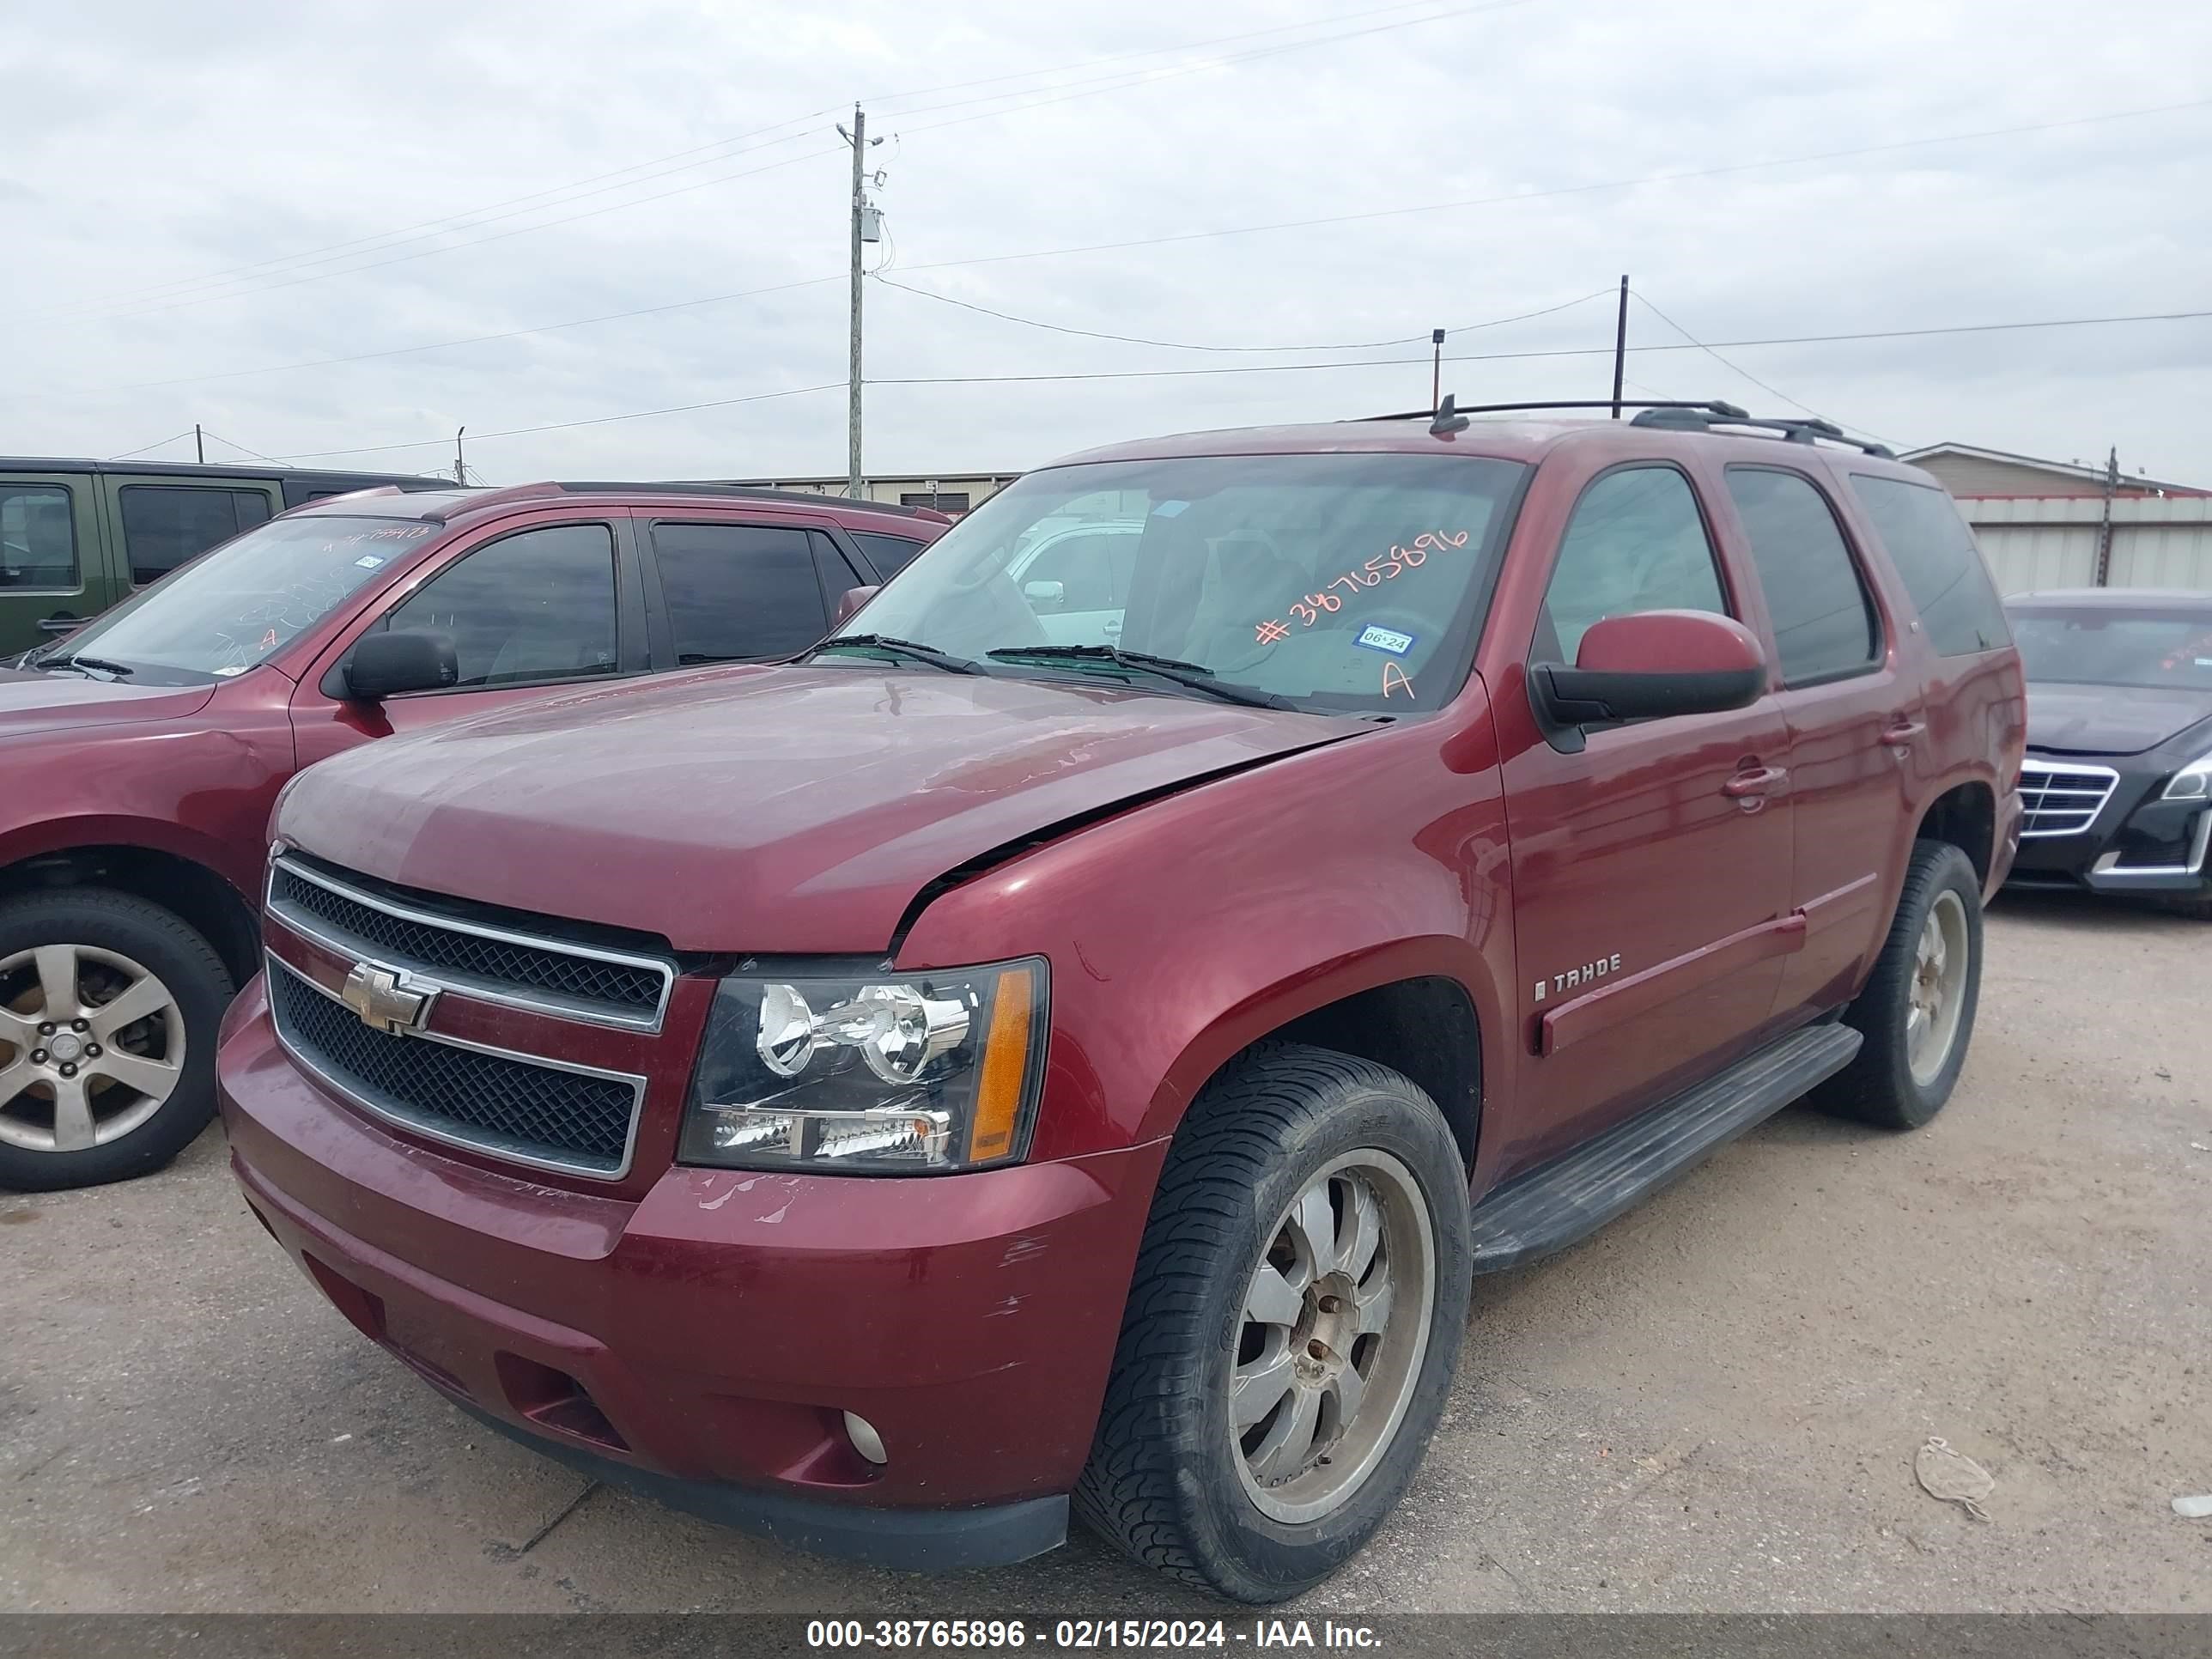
x=66 y=1047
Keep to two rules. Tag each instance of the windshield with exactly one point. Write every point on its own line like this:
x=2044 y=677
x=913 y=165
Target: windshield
x=2108 y=647
x=1340 y=582
x=230 y=609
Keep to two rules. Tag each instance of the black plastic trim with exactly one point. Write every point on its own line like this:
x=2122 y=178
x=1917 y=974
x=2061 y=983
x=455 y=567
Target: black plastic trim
x=904 y=1540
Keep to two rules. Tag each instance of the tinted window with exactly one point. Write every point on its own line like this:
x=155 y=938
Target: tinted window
x=889 y=554
x=1935 y=553
x=2100 y=646
x=536 y=606
x=1637 y=542
x=164 y=525
x=735 y=591
x=1823 y=623
x=38 y=541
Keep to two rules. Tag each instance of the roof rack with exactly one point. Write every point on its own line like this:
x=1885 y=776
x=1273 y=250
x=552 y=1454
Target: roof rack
x=1451 y=415
x=1677 y=417
x=474 y=500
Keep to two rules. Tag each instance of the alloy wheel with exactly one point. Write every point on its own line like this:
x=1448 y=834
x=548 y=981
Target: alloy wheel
x=1938 y=987
x=92 y=1045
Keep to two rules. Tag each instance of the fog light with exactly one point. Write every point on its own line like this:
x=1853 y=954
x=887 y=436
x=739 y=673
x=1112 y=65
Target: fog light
x=866 y=1440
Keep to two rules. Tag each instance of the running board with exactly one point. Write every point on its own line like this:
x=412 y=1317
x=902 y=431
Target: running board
x=1572 y=1196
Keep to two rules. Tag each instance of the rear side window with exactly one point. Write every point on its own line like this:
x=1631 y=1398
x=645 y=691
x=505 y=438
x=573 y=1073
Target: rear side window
x=165 y=524
x=1637 y=542
x=1935 y=553
x=536 y=606
x=1824 y=622
x=889 y=554
x=37 y=539
x=737 y=590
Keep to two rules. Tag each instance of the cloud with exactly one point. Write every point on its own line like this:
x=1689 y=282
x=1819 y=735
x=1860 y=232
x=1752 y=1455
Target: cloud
x=155 y=149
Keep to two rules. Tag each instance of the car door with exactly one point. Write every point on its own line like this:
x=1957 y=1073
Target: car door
x=1078 y=579
x=1852 y=713
x=53 y=576
x=165 y=522
x=725 y=590
x=531 y=609
x=1650 y=866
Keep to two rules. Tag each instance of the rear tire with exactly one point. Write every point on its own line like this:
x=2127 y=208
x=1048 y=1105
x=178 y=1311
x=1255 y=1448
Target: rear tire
x=108 y=1011
x=1284 y=1357
x=1917 y=1011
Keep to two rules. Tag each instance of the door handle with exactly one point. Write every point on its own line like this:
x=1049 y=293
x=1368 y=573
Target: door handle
x=1903 y=729
x=60 y=624
x=1755 y=783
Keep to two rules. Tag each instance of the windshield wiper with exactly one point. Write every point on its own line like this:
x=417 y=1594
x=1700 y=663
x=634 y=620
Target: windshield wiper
x=927 y=653
x=1194 y=675
x=120 y=670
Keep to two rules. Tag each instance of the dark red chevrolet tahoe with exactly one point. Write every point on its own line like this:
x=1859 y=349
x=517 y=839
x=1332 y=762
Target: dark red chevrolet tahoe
x=140 y=755
x=1076 y=1042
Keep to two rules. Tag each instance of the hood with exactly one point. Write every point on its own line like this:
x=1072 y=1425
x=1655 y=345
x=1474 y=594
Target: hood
x=764 y=811
x=31 y=702
x=2110 y=720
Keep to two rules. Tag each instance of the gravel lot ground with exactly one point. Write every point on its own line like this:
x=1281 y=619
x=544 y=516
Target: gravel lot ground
x=1712 y=1405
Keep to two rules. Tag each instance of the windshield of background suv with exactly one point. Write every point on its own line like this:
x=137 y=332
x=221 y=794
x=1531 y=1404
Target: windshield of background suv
x=1341 y=582
x=228 y=609
x=2108 y=647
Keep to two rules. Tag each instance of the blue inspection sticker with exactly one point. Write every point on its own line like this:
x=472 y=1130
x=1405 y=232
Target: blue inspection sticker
x=1385 y=639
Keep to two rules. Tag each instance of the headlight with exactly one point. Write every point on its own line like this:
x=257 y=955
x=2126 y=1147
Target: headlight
x=880 y=1073
x=2192 y=782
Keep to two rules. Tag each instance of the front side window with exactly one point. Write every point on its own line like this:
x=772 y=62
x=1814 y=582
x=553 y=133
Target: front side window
x=1824 y=624
x=1935 y=553
x=1636 y=542
x=164 y=526
x=737 y=590
x=38 y=537
x=2096 y=645
x=224 y=614
x=1345 y=582
x=534 y=607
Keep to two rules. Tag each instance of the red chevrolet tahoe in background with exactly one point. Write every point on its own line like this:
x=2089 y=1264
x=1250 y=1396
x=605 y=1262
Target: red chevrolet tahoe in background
x=1025 y=1052
x=139 y=755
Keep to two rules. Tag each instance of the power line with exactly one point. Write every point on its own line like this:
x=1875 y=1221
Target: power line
x=565 y=426
x=559 y=195
x=1568 y=189
x=1190 y=236
x=1186 y=345
x=1284 y=368
x=1738 y=369
x=142 y=448
x=234 y=444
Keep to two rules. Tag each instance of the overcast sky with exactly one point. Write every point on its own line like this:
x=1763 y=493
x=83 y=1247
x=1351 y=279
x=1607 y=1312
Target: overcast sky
x=192 y=192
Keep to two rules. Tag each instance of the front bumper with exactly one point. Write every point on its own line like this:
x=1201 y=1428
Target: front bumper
x=703 y=1343
x=2135 y=843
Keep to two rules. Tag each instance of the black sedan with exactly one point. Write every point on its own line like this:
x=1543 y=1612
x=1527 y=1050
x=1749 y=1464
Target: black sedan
x=2118 y=782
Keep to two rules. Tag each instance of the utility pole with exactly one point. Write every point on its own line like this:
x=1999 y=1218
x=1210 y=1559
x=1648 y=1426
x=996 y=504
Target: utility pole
x=460 y=466
x=858 y=138
x=1437 y=373
x=1620 y=348
x=199 y=444
x=2104 y=573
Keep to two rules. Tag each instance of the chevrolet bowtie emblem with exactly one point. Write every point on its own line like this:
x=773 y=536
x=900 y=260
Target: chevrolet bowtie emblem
x=384 y=1000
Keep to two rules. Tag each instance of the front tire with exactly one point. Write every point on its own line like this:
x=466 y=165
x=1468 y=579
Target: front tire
x=108 y=1011
x=1297 y=1305
x=1917 y=1011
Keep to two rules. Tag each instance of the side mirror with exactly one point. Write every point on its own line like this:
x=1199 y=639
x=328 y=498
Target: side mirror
x=384 y=664
x=1045 y=596
x=850 y=601
x=1650 y=665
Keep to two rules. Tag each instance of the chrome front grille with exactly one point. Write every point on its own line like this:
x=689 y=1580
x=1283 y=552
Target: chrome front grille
x=2062 y=798
x=499 y=964
x=531 y=1110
